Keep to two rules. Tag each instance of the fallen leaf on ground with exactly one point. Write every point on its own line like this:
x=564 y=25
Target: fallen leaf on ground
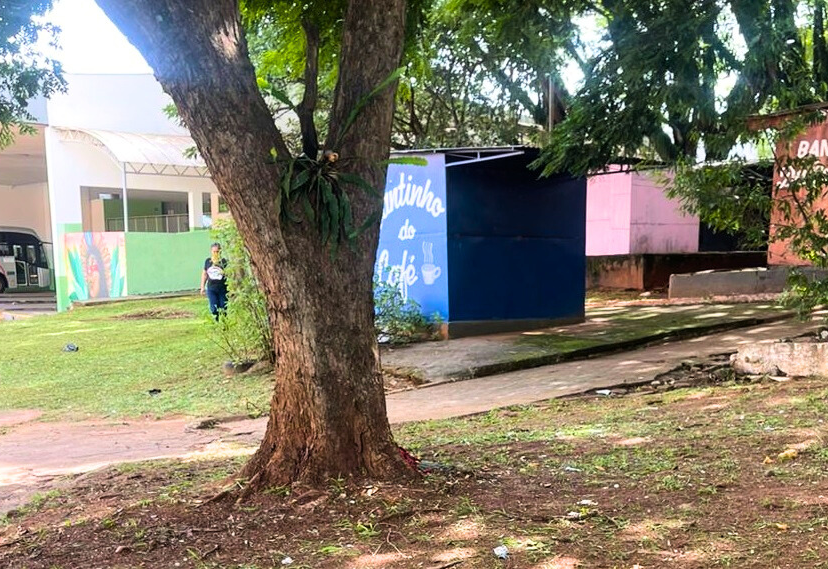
x=789 y=454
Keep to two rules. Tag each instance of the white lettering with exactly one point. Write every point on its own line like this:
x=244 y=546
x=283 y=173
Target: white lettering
x=408 y=194
x=402 y=275
x=817 y=147
x=790 y=175
x=407 y=231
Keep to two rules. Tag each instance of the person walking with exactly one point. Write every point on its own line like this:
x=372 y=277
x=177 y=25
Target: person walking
x=214 y=281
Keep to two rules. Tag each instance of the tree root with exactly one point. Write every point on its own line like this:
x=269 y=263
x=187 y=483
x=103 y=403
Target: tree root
x=249 y=488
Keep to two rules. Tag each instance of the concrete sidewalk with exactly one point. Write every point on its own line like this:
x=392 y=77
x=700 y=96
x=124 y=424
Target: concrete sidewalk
x=607 y=329
x=19 y=305
x=547 y=382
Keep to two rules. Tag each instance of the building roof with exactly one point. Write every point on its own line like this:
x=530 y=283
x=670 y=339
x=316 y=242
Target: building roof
x=772 y=120
x=468 y=155
x=150 y=154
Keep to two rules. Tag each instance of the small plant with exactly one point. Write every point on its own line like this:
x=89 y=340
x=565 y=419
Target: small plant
x=282 y=491
x=243 y=332
x=108 y=523
x=337 y=486
x=671 y=483
x=366 y=530
x=708 y=490
x=465 y=508
x=397 y=319
x=330 y=549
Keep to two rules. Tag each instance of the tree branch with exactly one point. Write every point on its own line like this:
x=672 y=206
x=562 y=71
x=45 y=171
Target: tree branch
x=372 y=36
x=305 y=109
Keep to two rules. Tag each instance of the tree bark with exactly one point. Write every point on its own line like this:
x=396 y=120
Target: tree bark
x=327 y=415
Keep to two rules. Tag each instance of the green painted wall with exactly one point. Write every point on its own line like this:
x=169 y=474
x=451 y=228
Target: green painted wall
x=114 y=209
x=61 y=286
x=165 y=262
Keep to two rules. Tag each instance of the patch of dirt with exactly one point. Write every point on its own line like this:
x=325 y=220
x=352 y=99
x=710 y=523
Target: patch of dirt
x=649 y=480
x=35 y=454
x=11 y=417
x=156 y=314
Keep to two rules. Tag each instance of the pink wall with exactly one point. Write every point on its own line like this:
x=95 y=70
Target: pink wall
x=657 y=223
x=609 y=198
x=629 y=214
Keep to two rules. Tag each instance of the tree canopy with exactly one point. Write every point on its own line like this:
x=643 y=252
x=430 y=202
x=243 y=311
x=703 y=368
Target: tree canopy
x=485 y=72
x=24 y=73
x=663 y=81
x=474 y=72
x=674 y=78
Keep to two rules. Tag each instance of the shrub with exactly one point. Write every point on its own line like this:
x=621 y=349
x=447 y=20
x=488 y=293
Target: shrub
x=243 y=332
x=399 y=320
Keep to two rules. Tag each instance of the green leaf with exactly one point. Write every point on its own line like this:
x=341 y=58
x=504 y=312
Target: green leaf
x=275 y=92
x=365 y=99
x=327 y=191
x=285 y=190
x=407 y=161
x=300 y=180
x=288 y=177
x=360 y=182
x=334 y=248
x=373 y=218
x=324 y=226
x=345 y=214
x=306 y=205
x=333 y=209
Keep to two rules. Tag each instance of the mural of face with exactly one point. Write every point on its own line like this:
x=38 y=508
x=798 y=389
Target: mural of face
x=96 y=260
x=93 y=277
x=96 y=265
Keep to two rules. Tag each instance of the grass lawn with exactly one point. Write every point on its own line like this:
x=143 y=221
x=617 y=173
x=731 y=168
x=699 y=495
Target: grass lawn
x=126 y=349
x=728 y=475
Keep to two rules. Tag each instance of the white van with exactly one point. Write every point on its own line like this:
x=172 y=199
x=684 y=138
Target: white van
x=24 y=264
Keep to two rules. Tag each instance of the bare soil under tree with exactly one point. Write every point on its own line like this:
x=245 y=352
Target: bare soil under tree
x=723 y=474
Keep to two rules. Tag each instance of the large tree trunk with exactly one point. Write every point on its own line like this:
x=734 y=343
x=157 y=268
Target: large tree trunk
x=328 y=415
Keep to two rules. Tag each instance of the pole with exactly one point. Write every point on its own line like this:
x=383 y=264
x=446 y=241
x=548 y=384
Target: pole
x=124 y=195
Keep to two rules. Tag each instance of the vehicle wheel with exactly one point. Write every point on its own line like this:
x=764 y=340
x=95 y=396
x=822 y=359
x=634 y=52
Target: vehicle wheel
x=3 y=285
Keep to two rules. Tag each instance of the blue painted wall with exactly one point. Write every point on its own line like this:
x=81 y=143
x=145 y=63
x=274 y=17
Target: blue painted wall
x=485 y=241
x=515 y=243
x=412 y=246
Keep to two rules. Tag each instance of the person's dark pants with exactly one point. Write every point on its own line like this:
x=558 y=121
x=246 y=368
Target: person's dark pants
x=218 y=301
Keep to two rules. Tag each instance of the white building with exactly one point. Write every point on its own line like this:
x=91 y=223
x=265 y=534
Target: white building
x=107 y=137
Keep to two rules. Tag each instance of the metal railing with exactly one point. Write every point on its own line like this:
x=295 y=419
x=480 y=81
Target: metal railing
x=177 y=223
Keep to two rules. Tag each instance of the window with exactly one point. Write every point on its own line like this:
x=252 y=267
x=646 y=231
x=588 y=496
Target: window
x=31 y=254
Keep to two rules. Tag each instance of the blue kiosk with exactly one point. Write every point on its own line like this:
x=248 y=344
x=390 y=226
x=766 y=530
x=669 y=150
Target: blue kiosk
x=480 y=239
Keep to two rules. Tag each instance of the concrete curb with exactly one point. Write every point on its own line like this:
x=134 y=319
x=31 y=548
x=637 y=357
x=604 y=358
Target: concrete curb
x=594 y=351
x=11 y=315
x=101 y=301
